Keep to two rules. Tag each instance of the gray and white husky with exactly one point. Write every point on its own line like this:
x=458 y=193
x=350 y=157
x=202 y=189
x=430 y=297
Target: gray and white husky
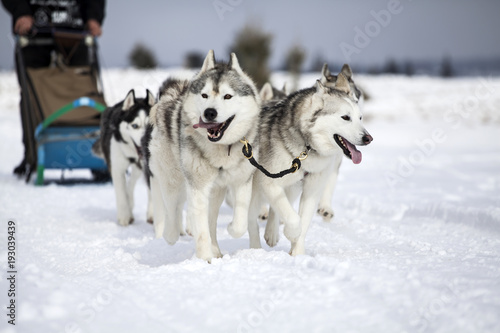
x=194 y=152
x=122 y=128
x=329 y=80
x=319 y=121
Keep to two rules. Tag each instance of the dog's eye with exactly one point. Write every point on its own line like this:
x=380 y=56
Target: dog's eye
x=204 y=95
x=346 y=117
x=227 y=96
x=135 y=126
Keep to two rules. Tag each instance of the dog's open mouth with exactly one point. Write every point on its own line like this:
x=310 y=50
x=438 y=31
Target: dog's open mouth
x=138 y=149
x=215 y=131
x=348 y=148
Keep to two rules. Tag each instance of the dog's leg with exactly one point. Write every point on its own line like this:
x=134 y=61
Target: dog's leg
x=173 y=201
x=159 y=208
x=150 y=210
x=168 y=190
x=272 y=233
x=197 y=216
x=119 y=165
x=253 y=224
x=311 y=194
x=325 y=208
x=242 y=197
x=135 y=174
x=279 y=201
x=181 y=199
x=264 y=212
x=216 y=199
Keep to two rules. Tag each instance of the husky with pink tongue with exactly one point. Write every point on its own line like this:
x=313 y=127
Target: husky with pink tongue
x=194 y=153
x=319 y=122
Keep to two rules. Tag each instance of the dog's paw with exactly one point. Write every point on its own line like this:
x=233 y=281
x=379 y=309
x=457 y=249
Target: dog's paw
x=272 y=234
x=150 y=216
x=204 y=252
x=272 y=238
x=292 y=232
x=297 y=249
x=216 y=252
x=125 y=220
x=171 y=237
x=236 y=230
x=326 y=213
x=264 y=213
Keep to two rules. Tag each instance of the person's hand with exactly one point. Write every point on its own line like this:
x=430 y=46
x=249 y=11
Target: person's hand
x=94 y=28
x=23 y=25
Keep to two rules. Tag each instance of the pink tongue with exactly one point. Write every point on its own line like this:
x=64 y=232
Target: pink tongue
x=203 y=124
x=355 y=154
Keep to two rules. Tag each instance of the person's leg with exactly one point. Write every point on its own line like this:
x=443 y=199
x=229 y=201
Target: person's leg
x=34 y=57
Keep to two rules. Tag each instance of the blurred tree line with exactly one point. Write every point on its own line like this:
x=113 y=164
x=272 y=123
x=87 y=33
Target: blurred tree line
x=252 y=45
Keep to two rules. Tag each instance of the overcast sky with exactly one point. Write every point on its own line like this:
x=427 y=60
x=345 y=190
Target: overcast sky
x=358 y=32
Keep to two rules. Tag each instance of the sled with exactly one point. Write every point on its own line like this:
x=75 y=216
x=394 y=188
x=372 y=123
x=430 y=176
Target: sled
x=62 y=107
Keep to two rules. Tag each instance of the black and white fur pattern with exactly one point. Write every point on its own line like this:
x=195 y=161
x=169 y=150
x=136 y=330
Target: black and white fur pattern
x=195 y=152
x=122 y=128
x=317 y=120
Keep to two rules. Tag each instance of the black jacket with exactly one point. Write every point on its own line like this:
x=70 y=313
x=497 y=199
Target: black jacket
x=89 y=9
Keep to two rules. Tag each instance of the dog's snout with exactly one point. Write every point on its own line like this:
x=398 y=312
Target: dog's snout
x=210 y=114
x=367 y=138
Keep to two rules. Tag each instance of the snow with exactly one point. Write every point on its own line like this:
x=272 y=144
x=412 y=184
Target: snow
x=414 y=245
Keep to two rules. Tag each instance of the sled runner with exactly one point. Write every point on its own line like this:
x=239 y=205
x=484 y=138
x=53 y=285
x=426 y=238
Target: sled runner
x=62 y=105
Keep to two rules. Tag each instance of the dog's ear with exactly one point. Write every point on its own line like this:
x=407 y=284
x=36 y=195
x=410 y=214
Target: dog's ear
x=234 y=63
x=320 y=88
x=346 y=70
x=266 y=93
x=209 y=62
x=325 y=71
x=129 y=100
x=342 y=83
x=284 y=90
x=326 y=75
x=150 y=97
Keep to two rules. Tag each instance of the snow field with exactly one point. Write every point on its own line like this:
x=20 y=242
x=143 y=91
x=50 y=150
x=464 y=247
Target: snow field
x=414 y=245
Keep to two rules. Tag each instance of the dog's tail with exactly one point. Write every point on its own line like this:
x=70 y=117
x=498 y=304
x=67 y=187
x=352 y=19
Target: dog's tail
x=97 y=148
x=172 y=88
x=170 y=92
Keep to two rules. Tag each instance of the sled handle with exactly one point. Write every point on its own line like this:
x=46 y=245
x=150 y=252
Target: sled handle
x=82 y=101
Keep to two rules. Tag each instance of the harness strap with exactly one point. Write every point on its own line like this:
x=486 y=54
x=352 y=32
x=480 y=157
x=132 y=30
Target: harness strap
x=296 y=163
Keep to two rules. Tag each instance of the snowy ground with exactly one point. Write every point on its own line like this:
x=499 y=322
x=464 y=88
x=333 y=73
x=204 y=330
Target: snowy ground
x=414 y=246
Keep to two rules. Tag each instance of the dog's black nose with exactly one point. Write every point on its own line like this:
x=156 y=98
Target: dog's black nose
x=367 y=138
x=210 y=114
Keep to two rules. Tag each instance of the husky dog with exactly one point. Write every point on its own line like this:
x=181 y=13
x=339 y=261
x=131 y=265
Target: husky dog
x=270 y=95
x=328 y=80
x=194 y=152
x=122 y=128
x=319 y=122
